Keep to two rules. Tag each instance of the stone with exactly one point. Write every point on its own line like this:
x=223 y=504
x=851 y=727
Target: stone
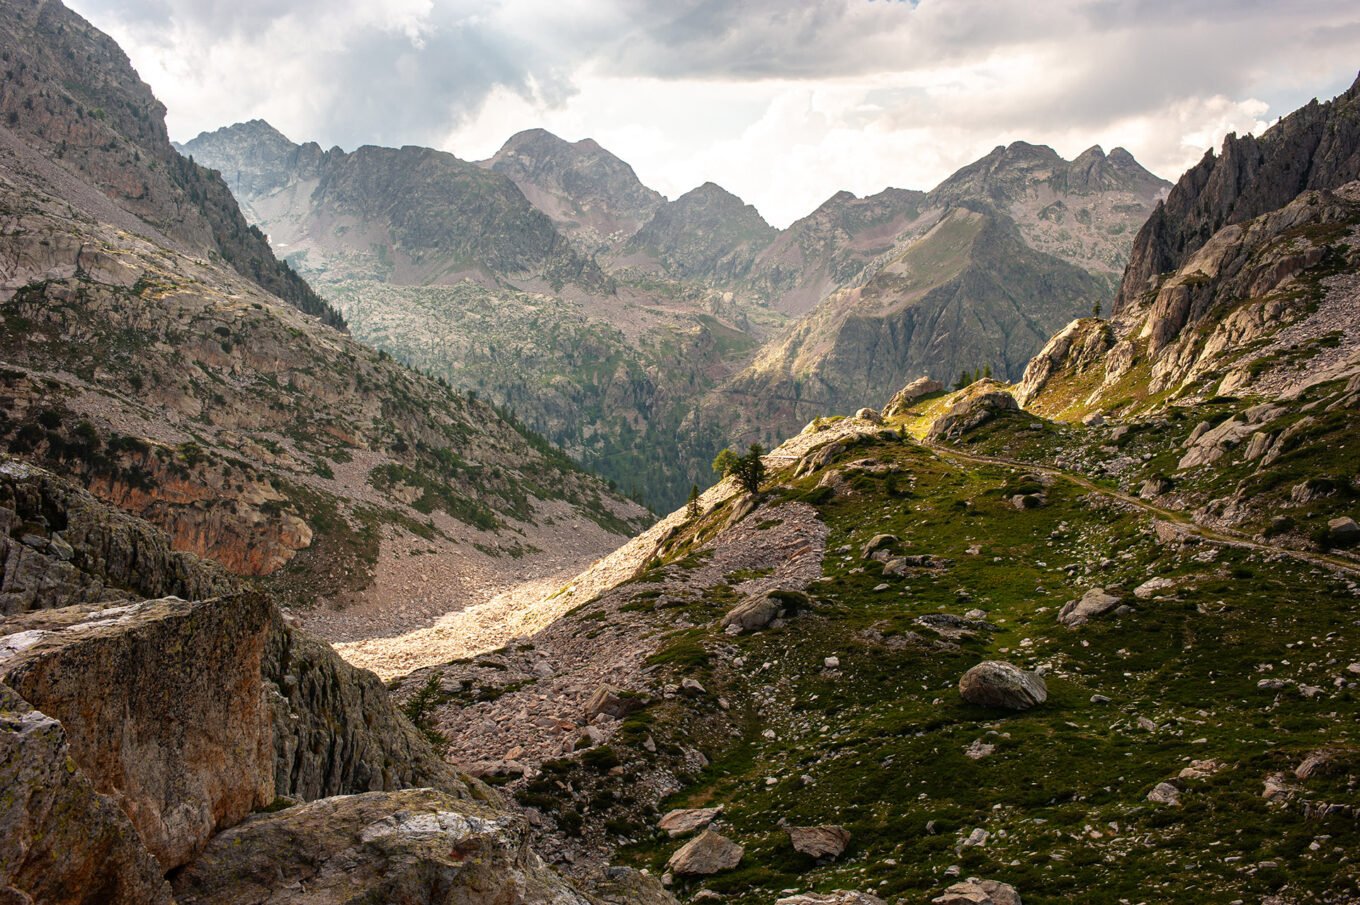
x=819 y=841
x=1200 y=769
x=691 y=688
x=868 y=414
x=1318 y=763
x=1154 y=487
x=683 y=821
x=971 y=413
x=979 y=892
x=759 y=612
x=993 y=683
x=612 y=702
x=706 y=854
x=626 y=886
x=416 y=845
x=903 y=399
x=164 y=709
x=61 y=841
x=1152 y=587
x=1258 y=446
x=1093 y=603
x=835 y=897
x=978 y=749
x=878 y=542
x=1094 y=419
x=831 y=663
x=1164 y=793
x=1343 y=532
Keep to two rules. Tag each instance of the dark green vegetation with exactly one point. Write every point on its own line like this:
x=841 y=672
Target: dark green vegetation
x=879 y=744
x=747 y=469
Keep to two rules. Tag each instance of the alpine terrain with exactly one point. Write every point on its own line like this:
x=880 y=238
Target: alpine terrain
x=325 y=578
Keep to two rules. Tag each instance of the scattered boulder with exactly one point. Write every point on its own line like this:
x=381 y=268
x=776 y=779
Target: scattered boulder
x=683 y=821
x=759 y=612
x=417 y=845
x=835 y=897
x=868 y=414
x=1200 y=769
x=819 y=841
x=626 y=886
x=706 y=854
x=1154 y=487
x=1093 y=603
x=1318 y=763
x=1164 y=793
x=613 y=702
x=1152 y=587
x=905 y=397
x=979 y=892
x=994 y=683
x=878 y=542
x=1343 y=532
x=1027 y=500
x=60 y=840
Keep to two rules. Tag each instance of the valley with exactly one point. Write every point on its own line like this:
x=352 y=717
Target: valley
x=364 y=535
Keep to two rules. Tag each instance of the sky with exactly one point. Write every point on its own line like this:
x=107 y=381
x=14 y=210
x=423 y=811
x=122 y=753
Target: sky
x=783 y=102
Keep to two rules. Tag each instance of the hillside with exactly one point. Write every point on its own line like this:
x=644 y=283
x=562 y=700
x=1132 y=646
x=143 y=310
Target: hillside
x=970 y=277
x=450 y=267
x=252 y=433
x=787 y=667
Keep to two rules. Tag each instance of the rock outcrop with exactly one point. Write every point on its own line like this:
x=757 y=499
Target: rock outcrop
x=994 y=683
x=819 y=841
x=979 y=892
x=1311 y=148
x=418 y=846
x=163 y=706
x=59 y=546
x=61 y=841
x=1095 y=602
x=980 y=404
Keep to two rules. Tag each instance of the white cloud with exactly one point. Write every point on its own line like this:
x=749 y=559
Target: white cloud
x=781 y=101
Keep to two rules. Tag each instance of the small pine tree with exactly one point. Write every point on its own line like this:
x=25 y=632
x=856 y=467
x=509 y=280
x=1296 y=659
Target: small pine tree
x=1095 y=308
x=987 y=372
x=962 y=381
x=748 y=470
x=692 y=504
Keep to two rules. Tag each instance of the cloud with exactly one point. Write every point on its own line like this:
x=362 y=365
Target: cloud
x=782 y=101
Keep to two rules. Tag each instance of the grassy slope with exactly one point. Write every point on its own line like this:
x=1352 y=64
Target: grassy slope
x=1063 y=796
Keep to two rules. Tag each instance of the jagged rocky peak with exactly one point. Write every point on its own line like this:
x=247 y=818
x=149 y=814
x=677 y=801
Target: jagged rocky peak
x=254 y=158
x=707 y=234
x=1010 y=172
x=1315 y=147
x=578 y=184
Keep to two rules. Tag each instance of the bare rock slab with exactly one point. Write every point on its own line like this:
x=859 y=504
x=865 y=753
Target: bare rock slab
x=995 y=683
x=819 y=841
x=418 y=846
x=835 y=897
x=979 y=892
x=683 y=821
x=706 y=854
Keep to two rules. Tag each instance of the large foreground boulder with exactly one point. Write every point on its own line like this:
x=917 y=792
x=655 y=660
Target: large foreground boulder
x=414 y=847
x=994 y=683
x=835 y=897
x=163 y=705
x=62 y=842
x=819 y=841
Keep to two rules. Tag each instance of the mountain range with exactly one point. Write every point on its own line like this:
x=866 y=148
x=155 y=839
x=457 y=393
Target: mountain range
x=670 y=320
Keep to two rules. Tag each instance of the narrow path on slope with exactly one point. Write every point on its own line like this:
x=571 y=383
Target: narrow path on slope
x=1217 y=535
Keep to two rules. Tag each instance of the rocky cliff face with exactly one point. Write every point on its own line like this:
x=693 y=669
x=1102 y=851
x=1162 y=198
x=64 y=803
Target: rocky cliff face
x=70 y=92
x=134 y=732
x=1315 y=147
x=590 y=194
